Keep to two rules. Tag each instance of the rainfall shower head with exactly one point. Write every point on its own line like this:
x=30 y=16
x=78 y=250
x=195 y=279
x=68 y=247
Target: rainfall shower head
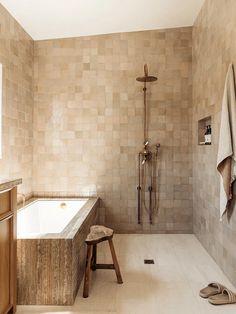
x=146 y=77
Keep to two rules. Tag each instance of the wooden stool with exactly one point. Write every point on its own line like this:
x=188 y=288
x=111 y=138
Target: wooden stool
x=99 y=234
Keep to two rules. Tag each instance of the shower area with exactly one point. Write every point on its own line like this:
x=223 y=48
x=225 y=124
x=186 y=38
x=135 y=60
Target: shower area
x=163 y=201
x=147 y=161
x=99 y=129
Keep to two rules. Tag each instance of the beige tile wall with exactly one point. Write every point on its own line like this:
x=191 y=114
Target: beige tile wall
x=88 y=111
x=16 y=55
x=214 y=47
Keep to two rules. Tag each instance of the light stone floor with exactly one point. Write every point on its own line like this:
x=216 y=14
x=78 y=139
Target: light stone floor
x=170 y=286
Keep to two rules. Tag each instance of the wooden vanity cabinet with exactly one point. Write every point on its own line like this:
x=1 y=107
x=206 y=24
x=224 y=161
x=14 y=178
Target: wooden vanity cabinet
x=8 y=251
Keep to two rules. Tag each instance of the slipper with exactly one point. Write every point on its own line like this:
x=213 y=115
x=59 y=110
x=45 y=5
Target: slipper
x=226 y=297
x=212 y=289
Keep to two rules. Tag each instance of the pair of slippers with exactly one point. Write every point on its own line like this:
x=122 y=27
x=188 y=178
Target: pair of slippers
x=217 y=294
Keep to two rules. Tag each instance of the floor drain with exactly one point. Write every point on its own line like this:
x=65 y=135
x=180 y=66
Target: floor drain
x=148 y=261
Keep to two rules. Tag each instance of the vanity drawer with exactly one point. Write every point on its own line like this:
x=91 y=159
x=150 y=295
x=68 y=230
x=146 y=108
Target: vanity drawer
x=5 y=202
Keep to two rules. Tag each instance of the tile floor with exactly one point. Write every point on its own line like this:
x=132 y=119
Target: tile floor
x=170 y=286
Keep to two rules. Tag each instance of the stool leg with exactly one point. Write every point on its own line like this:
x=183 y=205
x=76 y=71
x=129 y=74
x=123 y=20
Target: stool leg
x=94 y=257
x=87 y=272
x=116 y=265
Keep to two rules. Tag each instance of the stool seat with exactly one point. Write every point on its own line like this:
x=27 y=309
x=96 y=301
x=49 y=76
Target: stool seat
x=98 y=234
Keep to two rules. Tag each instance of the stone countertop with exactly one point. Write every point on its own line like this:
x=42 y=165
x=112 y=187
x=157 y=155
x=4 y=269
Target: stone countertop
x=8 y=184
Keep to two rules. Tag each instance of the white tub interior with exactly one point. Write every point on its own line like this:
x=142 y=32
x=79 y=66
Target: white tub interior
x=46 y=216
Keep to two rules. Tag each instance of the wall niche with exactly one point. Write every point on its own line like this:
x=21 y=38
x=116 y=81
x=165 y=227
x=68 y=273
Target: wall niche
x=204 y=131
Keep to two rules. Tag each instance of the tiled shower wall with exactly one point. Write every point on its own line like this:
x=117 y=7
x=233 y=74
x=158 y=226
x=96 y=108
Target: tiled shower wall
x=16 y=55
x=88 y=119
x=214 y=47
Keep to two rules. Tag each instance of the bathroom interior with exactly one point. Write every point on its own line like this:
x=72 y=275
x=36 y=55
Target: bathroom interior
x=117 y=117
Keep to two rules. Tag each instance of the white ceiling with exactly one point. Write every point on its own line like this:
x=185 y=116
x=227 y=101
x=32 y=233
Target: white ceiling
x=45 y=19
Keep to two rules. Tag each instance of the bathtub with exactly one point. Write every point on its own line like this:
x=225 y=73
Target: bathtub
x=50 y=249
x=46 y=216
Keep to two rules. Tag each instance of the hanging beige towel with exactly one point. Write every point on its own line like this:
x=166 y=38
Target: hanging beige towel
x=226 y=159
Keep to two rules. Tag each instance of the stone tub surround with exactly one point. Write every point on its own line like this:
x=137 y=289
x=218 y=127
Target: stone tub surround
x=88 y=113
x=214 y=48
x=50 y=268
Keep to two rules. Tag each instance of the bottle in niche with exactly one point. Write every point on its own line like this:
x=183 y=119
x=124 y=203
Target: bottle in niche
x=208 y=135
